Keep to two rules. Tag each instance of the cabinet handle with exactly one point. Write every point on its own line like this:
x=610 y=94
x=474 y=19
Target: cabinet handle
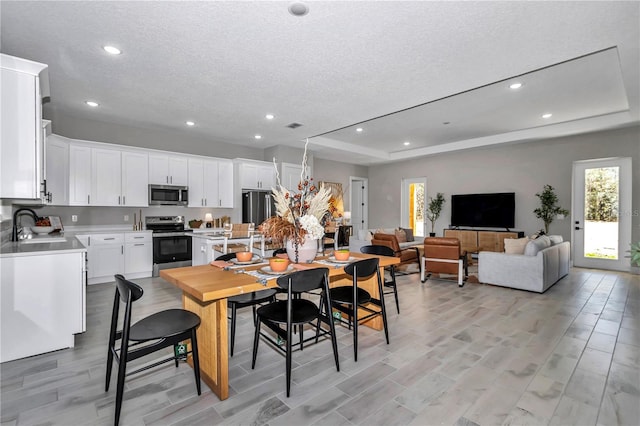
x=88 y=199
x=110 y=238
x=89 y=240
x=137 y=238
x=171 y=179
x=121 y=249
x=205 y=201
x=138 y=244
x=167 y=178
x=123 y=200
x=118 y=200
x=219 y=202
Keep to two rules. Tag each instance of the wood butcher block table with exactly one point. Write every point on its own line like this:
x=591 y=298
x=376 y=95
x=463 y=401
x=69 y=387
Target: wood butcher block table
x=205 y=290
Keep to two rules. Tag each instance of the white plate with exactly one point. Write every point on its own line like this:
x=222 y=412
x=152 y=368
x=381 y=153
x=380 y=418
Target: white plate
x=334 y=260
x=255 y=259
x=267 y=270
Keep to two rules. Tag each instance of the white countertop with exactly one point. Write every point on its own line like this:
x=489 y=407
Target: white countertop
x=66 y=244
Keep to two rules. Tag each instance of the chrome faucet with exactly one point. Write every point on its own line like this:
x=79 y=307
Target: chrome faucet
x=14 y=233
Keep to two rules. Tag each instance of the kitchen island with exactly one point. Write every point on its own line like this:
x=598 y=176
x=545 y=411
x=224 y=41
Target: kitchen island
x=205 y=290
x=43 y=297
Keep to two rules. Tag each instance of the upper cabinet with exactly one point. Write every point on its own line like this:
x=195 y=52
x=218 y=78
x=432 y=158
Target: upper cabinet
x=256 y=175
x=57 y=161
x=107 y=177
x=168 y=169
x=290 y=175
x=24 y=84
x=210 y=183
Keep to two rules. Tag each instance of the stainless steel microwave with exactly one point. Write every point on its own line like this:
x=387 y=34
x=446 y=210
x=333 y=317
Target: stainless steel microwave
x=168 y=195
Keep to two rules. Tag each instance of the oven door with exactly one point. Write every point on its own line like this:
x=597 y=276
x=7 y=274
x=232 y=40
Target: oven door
x=171 y=249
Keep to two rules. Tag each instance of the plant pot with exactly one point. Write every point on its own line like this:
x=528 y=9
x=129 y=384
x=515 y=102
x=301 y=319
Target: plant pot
x=635 y=270
x=432 y=234
x=306 y=252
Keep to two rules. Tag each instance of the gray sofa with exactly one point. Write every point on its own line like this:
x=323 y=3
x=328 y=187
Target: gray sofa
x=541 y=266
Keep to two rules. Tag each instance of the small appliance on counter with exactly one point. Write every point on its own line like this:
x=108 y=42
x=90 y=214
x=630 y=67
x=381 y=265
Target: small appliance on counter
x=171 y=242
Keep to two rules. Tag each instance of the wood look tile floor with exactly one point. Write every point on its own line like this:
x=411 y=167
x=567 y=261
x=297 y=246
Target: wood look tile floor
x=477 y=355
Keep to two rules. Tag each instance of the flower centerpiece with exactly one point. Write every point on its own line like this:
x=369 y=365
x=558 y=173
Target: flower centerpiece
x=299 y=215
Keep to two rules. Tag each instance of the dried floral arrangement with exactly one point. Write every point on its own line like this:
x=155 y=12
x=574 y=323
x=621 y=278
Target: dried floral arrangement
x=298 y=214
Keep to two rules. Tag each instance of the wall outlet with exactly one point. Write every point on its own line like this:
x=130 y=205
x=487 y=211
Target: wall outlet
x=74 y=218
x=126 y=218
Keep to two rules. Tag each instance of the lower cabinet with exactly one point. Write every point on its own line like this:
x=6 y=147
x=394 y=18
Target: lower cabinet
x=43 y=303
x=129 y=254
x=201 y=250
x=473 y=241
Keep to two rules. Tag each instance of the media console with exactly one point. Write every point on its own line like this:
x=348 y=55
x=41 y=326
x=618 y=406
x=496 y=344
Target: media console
x=471 y=240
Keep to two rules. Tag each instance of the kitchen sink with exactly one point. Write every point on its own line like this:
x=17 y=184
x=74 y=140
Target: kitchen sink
x=37 y=240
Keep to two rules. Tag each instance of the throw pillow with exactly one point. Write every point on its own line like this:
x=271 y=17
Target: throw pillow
x=515 y=245
x=369 y=237
x=409 y=233
x=555 y=239
x=534 y=246
x=380 y=231
x=401 y=236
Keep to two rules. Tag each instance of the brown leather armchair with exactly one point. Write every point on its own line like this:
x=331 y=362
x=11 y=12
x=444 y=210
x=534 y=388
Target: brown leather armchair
x=443 y=255
x=407 y=255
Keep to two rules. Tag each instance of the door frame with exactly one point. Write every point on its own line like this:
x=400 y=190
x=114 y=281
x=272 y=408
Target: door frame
x=624 y=215
x=363 y=181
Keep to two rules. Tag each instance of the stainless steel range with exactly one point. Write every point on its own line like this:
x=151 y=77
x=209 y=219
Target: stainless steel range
x=171 y=243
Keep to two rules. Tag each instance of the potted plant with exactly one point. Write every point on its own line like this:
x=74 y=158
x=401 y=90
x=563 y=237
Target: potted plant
x=549 y=207
x=634 y=255
x=433 y=211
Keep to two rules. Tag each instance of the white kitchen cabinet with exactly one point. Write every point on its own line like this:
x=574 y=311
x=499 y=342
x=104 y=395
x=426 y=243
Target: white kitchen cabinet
x=138 y=255
x=168 y=170
x=290 y=175
x=105 y=257
x=257 y=175
x=135 y=179
x=225 y=184
x=79 y=175
x=202 y=251
x=106 y=177
x=24 y=83
x=57 y=161
x=210 y=183
x=130 y=254
x=43 y=303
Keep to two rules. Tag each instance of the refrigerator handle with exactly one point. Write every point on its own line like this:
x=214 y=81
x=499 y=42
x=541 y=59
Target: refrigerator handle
x=267 y=202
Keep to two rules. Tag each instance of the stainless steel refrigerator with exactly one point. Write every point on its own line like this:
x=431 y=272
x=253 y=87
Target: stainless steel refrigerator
x=257 y=206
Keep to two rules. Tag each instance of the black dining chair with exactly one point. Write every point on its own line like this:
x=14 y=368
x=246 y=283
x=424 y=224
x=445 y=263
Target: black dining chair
x=244 y=300
x=391 y=283
x=283 y=315
x=282 y=250
x=348 y=299
x=157 y=331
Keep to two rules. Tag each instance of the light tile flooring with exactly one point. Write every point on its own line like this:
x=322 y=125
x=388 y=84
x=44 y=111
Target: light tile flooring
x=479 y=354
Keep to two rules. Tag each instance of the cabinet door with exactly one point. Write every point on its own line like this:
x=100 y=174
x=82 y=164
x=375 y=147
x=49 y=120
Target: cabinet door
x=196 y=182
x=290 y=175
x=178 y=171
x=158 y=169
x=21 y=135
x=225 y=184
x=249 y=176
x=79 y=175
x=105 y=260
x=198 y=251
x=57 y=171
x=266 y=177
x=488 y=241
x=106 y=177
x=211 y=184
x=138 y=258
x=135 y=179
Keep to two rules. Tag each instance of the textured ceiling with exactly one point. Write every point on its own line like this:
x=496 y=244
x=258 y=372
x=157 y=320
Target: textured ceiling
x=225 y=65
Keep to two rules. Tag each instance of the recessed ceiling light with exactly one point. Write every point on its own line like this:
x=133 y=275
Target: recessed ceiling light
x=547 y=115
x=258 y=136
x=112 y=49
x=269 y=116
x=359 y=129
x=190 y=123
x=515 y=86
x=298 y=9
x=92 y=103
x=407 y=143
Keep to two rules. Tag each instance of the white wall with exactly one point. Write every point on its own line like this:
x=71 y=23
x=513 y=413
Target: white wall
x=334 y=171
x=522 y=168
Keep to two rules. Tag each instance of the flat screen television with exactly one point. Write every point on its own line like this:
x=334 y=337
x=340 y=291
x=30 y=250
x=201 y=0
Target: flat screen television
x=484 y=210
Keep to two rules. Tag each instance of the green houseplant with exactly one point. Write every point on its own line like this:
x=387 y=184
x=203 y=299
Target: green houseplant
x=549 y=207
x=433 y=211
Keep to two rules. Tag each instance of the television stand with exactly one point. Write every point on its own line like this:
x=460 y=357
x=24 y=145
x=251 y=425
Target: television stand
x=486 y=240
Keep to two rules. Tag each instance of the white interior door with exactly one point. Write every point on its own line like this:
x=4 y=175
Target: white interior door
x=601 y=213
x=358 y=203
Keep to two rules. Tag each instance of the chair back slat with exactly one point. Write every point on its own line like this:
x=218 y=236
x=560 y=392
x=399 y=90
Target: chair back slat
x=305 y=280
x=362 y=268
x=377 y=250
